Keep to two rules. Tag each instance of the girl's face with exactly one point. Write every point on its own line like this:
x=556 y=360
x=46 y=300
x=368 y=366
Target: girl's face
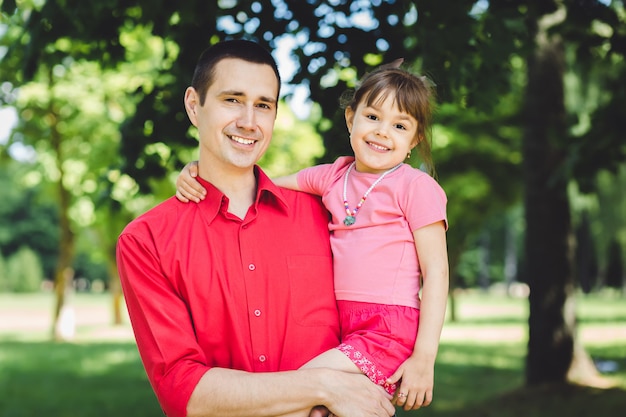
x=380 y=135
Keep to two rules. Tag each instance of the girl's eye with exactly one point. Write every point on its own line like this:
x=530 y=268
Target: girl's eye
x=401 y=127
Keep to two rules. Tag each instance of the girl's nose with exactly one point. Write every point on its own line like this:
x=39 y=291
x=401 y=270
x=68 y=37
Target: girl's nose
x=381 y=131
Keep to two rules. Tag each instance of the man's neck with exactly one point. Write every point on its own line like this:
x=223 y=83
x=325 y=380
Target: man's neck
x=239 y=185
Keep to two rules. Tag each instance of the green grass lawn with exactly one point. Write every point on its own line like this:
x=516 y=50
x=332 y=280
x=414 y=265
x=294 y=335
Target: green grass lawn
x=73 y=380
x=479 y=370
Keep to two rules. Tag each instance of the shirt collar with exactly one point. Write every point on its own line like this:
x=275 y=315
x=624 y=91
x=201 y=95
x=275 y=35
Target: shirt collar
x=267 y=193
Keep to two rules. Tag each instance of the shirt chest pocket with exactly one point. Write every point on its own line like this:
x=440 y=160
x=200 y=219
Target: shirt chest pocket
x=311 y=290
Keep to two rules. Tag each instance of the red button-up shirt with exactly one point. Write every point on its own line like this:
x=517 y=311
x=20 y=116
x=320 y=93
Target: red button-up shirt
x=206 y=289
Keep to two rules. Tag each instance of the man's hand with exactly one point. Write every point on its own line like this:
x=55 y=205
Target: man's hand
x=320 y=411
x=354 y=395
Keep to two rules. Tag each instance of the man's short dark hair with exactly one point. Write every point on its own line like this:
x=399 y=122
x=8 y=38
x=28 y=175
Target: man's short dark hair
x=239 y=49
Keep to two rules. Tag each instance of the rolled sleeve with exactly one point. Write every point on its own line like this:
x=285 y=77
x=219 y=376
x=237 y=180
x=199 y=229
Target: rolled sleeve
x=168 y=348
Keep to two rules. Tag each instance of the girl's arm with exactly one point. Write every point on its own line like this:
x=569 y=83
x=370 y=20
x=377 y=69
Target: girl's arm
x=287 y=181
x=417 y=372
x=189 y=189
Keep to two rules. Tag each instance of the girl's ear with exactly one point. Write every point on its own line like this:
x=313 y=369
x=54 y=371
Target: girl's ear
x=416 y=141
x=349 y=114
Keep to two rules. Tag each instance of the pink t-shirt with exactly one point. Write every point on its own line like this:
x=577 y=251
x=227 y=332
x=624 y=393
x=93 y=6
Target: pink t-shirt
x=375 y=260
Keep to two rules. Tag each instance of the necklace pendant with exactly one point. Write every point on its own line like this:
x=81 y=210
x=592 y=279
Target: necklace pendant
x=349 y=220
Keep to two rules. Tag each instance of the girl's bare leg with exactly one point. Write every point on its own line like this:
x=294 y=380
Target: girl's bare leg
x=333 y=359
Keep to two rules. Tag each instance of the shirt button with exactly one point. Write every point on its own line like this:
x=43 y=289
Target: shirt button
x=252 y=267
x=262 y=358
x=257 y=313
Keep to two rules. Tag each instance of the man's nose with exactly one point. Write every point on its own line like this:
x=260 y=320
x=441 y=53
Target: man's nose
x=247 y=118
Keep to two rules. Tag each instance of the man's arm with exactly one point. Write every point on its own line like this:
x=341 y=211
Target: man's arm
x=226 y=392
x=185 y=385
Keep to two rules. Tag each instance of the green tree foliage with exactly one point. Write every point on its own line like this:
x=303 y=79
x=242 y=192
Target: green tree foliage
x=480 y=54
x=586 y=265
x=4 y=285
x=23 y=271
x=600 y=223
x=610 y=212
x=72 y=107
x=26 y=217
x=615 y=266
x=70 y=110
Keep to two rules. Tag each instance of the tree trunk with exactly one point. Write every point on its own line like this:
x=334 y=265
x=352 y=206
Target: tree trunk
x=64 y=273
x=63 y=323
x=554 y=354
x=510 y=255
x=548 y=236
x=115 y=287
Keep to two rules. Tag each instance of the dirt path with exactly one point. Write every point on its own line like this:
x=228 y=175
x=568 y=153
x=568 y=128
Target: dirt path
x=29 y=317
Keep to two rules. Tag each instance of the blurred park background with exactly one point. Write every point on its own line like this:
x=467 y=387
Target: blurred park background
x=528 y=143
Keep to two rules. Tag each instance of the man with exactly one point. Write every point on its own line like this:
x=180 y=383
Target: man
x=229 y=296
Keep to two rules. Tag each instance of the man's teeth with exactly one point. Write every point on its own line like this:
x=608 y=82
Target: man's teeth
x=242 y=140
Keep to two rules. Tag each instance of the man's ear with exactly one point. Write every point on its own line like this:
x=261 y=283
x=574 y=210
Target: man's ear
x=349 y=115
x=191 y=104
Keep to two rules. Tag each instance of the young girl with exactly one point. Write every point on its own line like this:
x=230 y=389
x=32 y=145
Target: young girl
x=388 y=237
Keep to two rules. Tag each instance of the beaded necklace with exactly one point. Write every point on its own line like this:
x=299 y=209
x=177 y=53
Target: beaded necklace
x=351 y=214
